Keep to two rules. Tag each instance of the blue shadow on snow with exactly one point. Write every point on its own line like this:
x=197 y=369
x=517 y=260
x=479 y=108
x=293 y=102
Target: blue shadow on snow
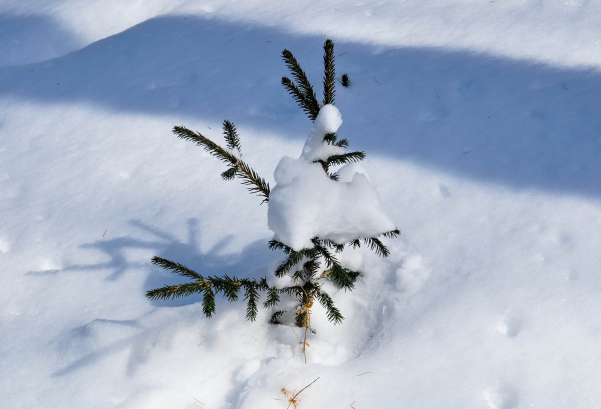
x=489 y=119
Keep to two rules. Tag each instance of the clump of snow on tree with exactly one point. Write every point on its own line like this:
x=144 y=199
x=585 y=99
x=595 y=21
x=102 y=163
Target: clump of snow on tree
x=306 y=203
x=348 y=171
x=328 y=121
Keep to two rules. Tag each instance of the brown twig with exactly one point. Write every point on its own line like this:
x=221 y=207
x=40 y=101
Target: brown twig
x=293 y=399
x=352 y=405
x=363 y=373
x=105 y=232
x=306 y=308
x=199 y=402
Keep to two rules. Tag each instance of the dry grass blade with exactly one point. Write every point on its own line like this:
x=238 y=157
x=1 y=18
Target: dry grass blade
x=293 y=399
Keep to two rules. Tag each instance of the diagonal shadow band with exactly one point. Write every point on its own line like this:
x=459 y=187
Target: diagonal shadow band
x=489 y=119
x=26 y=39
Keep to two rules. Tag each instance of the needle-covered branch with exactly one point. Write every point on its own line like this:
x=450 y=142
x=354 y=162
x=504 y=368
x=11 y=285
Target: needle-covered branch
x=376 y=245
x=209 y=287
x=306 y=105
x=345 y=158
x=329 y=75
x=294 y=258
x=231 y=136
x=332 y=312
x=275 y=317
x=342 y=277
x=257 y=184
x=309 y=102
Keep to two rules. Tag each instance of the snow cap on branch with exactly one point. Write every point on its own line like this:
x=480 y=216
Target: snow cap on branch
x=328 y=121
x=348 y=171
x=306 y=203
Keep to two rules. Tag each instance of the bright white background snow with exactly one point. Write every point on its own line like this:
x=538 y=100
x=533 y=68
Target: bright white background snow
x=481 y=124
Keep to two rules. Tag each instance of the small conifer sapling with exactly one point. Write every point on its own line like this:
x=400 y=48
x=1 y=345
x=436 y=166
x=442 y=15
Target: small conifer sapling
x=309 y=260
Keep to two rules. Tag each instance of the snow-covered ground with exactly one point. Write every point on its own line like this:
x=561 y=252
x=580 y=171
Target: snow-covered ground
x=482 y=128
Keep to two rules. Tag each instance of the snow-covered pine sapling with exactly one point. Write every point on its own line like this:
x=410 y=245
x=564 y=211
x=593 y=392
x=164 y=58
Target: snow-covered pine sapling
x=314 y=213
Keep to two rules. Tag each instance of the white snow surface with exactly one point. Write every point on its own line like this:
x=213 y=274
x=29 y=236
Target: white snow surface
x=305 y=203
x=480 y=120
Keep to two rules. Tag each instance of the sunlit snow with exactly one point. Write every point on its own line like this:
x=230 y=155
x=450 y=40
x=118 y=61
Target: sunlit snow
x=480 y=121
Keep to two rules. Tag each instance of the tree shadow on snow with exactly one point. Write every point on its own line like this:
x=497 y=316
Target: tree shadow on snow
x=253 y=261
x=490 y=119
x=32 y=38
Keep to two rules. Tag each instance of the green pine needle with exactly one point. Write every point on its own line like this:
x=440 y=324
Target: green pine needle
x=323 y=252
x=180 y=269
x=345 y=158
x=376 y=245
x=343 y=277
x=251 y=296
x=300 y=99
x=355 y=243
x=276 y=245
x=257 y=184
x=332 y=312
x=229 y=174
x=391 y=234
x=309 y=102
x=343 y=143
x=329 y=76
x=310 y=269
x=175 y=291
x=273 y=297
x=275 y=318
x=293 y=259
x=330 y=138
x=330 y=244
x=208 y=303
x=231 y=136
x=299 y=318
x=208 y=145
x=229 y=286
